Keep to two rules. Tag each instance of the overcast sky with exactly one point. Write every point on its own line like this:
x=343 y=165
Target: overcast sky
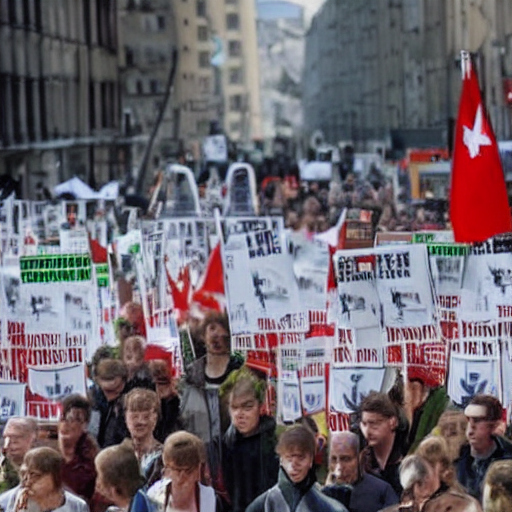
x=291 y=8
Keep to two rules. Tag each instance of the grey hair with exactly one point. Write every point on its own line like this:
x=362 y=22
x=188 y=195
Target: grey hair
x=413 y=469
x=346 y=438
x=27 y=425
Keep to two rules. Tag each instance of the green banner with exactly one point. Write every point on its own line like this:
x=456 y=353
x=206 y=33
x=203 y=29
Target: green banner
x=55 y=268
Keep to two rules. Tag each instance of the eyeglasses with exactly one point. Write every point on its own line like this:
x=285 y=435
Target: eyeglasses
x=71 y=417
x=187 y=471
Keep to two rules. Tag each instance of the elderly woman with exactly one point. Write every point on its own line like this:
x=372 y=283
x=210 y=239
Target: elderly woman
x=184 y=458
x=119 y=480
x=41 y=485
x=142 y=408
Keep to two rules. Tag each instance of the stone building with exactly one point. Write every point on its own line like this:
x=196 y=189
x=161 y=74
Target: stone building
x=372 y=67
x=59 y=100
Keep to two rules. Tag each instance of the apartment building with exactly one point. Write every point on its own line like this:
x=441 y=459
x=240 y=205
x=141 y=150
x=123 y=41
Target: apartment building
x=59 y=100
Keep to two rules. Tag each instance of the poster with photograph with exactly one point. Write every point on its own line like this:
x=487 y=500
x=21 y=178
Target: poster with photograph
x=487 y=283
x=290 y=396
x=469 y=376
x=42 y=308
x=404 y=286
x=12 y=399
x=310 y=266
x=348 y=387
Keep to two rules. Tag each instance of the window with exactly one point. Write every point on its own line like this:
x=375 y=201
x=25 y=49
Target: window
x=236 y=76
x=140 y=87
x=204 y=84
x=160 y=23
x=232 y=21
x=154 y=86
x=235 y=48
x=204 y=59
x=235 y=103
x=130 y=56
x=185 y=21
x=201 y=8
x=202 y=33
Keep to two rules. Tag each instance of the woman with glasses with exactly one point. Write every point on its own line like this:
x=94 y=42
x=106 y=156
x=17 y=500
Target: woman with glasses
x=77 y=447
x=181 y=488
x=42 y=486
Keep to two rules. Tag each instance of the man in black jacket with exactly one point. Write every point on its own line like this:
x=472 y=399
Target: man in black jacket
x=483 y=446
x=249 y=462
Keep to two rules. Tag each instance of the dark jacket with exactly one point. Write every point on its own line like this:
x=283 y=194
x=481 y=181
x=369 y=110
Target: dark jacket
x=112 y=424
x=168 y=421
x=471 y=472
x=390 y=473
x=304 y=496
x=250 y=464
x=369 y=494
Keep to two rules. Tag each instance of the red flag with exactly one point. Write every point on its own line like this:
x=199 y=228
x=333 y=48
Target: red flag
x=478 y=203
x=212 y=282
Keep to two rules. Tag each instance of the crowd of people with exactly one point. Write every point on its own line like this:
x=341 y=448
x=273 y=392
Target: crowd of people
x=142 y=442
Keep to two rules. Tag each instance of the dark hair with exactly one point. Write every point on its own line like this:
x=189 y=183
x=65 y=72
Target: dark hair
x=77 y=401
x=214 y=317
x=120 y=469
x=46 y=460
x=492 y=406
x=244 y=381
x=109 y=369
x=379 y=403
x=299 y=437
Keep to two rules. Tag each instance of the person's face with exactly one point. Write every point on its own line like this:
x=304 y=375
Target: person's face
x=132 y=357
x=39 y=485
x=112 y=389
x=141 y=423
x=478 y=432
x=71 y=426
x=183 y=478
x=216 y=339
x=16 y=442
x=422 y=490
x=343 y=463
x=376 y=428
x=245 y=413
x=296 y=464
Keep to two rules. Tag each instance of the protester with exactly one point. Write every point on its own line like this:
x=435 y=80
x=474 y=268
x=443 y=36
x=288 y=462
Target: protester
x=451 y=426
x=19 y=436
x=483 y=446
x=132 y=355
x=296 y=489
x=41 y=485
x=201 y=411
x=379 y=422
x=249 y=463
x=347 y=483
x=497 y=495
x=181 y=488
x=77 y=447
x=120 y=481
x=111 y=375
x=169 y=399
x=142 y=409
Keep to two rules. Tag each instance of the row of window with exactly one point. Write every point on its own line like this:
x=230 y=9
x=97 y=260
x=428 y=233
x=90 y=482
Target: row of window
x=41 y=107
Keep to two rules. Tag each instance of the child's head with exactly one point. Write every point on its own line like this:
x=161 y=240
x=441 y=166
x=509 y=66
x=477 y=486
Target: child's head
x=133 y=353
x=246 y=395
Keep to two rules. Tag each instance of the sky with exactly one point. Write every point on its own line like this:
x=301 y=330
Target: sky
x=268 y=9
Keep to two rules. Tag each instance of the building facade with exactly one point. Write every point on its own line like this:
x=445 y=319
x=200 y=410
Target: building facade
x=59 y=99
x=372 y=67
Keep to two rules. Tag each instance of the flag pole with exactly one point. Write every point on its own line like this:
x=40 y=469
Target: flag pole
x=465 y=63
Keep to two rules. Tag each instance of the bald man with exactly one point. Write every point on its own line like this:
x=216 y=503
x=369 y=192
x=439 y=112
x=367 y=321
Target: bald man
x=368 y=493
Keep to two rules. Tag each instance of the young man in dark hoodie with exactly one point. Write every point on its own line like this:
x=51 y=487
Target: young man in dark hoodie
x=249 y=463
